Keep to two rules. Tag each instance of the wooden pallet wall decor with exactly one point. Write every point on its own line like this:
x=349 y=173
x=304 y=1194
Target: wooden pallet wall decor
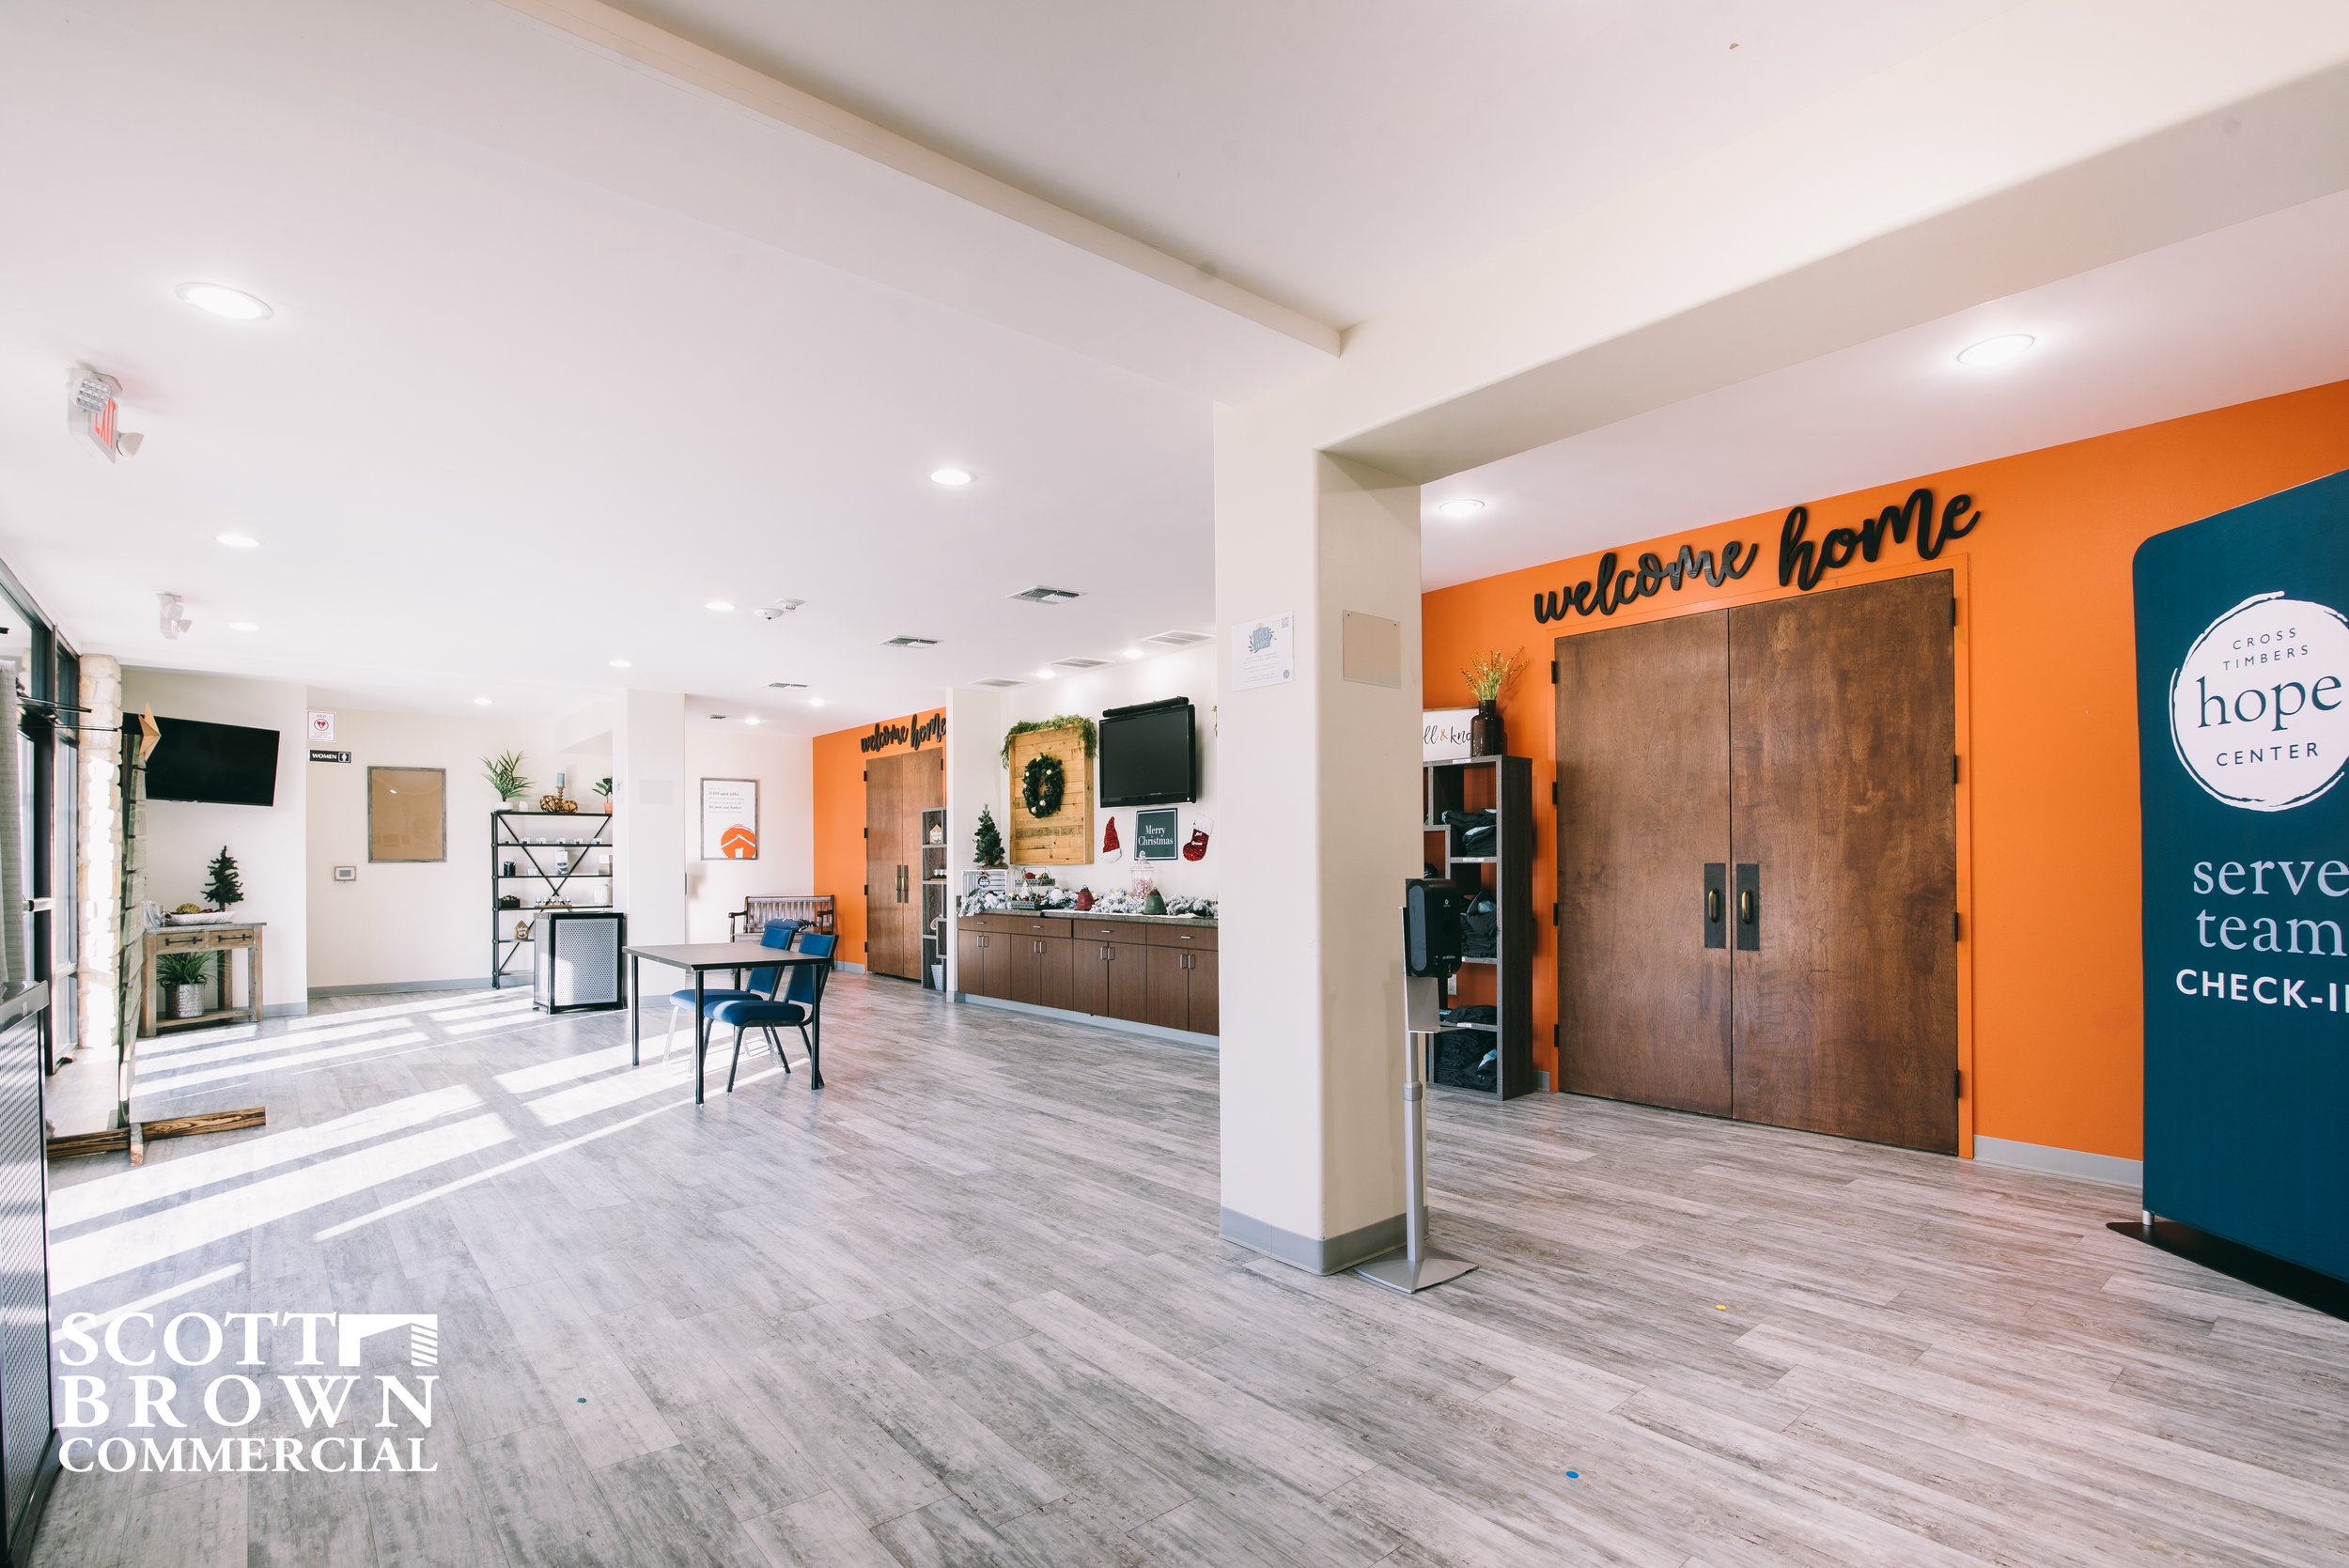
x=1065 y=837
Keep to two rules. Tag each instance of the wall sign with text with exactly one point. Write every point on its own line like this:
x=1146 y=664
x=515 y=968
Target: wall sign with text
x=1803 y=562
x=2243 y=729
x=729 y=819
x=1158 y=833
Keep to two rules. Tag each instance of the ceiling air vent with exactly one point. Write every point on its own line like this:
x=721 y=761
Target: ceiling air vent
x=786 y=686
x=999 y=683
x=1080 y=663
x=1177 y=639
x=1048 y=595
x=911 y=643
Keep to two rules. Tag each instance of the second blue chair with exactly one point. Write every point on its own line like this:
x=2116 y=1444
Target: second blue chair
x=776 y=933
x=798 y=1006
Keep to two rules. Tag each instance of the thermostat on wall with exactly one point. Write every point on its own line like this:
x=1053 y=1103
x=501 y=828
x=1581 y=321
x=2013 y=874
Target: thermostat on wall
x=346 y=873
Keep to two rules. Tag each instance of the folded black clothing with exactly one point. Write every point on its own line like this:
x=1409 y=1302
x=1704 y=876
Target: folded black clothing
x=1480 y=929
x=1474 y=1013
x=1472 y=818
x=1465 y=1060
x=1477 y=841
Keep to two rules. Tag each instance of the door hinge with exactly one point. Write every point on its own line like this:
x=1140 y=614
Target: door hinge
x=1553 y=915
x=1957 y=926
x=1953 y=609
x=868 y=889
x=1553 y=672
x=1553 y=792
x=1957 y=1083
x=1953 y=767
x=1555 y=1040
x=868 y=832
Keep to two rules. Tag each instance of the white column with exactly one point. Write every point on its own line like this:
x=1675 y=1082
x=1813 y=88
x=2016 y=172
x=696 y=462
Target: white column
x=652 y=814
x=1317 y=780
x=99 y=869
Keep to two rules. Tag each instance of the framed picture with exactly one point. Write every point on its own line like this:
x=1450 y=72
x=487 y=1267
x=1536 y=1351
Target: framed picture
x=407 y=814
x=1158 y=834
x=729 y=819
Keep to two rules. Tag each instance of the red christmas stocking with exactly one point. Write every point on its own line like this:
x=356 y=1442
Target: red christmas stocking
x=1195 y=847
x=1109 y=850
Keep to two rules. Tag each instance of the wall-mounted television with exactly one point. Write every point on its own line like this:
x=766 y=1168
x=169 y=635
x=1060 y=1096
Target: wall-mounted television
x=1149 y=754
x=225 y=765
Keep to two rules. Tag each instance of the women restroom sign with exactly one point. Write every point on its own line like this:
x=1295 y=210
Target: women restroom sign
x=2242 y=734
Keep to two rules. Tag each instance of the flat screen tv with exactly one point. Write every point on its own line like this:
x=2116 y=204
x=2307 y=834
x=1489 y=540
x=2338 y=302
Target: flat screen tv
x=226 y=765
x=1149 y=754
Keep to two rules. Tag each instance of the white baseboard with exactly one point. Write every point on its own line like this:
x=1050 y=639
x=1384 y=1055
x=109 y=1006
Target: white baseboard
x=391 y=987
x=2110 y=1169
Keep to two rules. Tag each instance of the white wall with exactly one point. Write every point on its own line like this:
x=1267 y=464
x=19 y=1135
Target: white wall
x=648 y=763
x=420 y=922
x=1187 y=673
x=784 y=765
x=179 y=838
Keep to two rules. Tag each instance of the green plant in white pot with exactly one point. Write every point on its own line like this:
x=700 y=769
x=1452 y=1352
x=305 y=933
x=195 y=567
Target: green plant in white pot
x=182 y=976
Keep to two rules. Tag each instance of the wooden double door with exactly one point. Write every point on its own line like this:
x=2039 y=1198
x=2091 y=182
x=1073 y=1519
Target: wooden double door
x=897 y=790
x=1757 y=863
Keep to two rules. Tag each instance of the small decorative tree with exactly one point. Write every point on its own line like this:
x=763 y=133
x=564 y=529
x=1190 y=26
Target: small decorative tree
x=224 y=889
x=987 y=843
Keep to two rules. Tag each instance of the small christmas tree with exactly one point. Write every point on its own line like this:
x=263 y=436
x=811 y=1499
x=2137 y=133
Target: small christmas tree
x=986 y=844
x=224 y=889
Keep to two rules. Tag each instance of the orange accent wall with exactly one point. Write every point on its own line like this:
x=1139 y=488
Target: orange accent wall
x=839 y=801
x=2051 y=1022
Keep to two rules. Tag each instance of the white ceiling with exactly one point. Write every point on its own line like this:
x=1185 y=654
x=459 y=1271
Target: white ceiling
x=505 y=426
x=1336 y=155
x=566 y=346
x=2245 y=312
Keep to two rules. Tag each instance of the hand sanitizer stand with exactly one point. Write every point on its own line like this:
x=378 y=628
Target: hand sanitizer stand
x=1431 y=943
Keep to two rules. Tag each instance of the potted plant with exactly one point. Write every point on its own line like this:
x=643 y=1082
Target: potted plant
x=505 y=776
x=604 y=793
x=182 y=976
x=1488 y=676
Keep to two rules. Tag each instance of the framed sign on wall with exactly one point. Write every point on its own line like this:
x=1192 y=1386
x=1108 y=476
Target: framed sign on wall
x=1158 y=834
x=1445 y=735
x=729 y=819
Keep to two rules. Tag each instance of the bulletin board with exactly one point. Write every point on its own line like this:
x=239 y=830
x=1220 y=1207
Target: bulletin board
x=407 y=814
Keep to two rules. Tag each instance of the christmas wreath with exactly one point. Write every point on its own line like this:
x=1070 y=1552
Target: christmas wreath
x=1042 y=785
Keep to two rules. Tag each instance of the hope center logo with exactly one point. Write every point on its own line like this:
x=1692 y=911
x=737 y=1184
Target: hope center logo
x=191 y=1369
x=2259 y=711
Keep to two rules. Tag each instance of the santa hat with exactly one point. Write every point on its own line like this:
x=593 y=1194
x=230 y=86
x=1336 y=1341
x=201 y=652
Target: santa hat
x=1110 y=848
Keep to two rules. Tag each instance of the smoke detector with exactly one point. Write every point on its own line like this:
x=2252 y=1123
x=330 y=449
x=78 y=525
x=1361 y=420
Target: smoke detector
x=778 y=610
x=174 y=615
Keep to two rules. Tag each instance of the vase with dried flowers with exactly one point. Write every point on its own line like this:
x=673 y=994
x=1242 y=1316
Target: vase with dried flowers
x=1488 y=676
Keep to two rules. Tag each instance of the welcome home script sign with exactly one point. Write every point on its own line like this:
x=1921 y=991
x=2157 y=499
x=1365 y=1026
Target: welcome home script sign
x=1802 y=561
x=2243 y=731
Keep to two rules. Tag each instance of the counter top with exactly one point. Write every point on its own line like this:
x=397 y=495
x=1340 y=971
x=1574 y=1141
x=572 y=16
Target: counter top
x=1139 y=920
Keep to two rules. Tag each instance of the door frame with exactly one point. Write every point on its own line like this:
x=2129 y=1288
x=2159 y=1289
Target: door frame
x=1961 y=660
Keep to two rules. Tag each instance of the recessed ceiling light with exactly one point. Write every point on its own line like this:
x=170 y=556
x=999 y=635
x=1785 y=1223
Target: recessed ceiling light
x=951 y=477
x=815 y=702
x=242 y=626
x=622 y=664
x=481 y=701
x=238 y=541
x=1046 y=674
x=1130 y=652
x=1997 y=350
x=722 y=606
x=218 y=299
x=1466 y=506
x=750 y=719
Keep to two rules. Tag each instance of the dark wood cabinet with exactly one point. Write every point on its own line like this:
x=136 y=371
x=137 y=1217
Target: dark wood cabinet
x=1134 y=971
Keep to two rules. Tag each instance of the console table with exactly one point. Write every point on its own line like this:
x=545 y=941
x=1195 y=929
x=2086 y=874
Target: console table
x=221 y=942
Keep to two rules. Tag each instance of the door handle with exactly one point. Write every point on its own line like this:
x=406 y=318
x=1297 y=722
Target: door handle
x=1744 y=905
x=1715 y=897
x=1748 y=908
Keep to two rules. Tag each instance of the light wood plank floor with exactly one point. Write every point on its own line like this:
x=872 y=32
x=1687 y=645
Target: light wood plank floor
x=968 y=1306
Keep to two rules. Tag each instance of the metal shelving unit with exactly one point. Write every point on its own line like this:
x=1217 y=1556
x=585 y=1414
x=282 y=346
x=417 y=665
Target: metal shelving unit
x=1505 y=980
x=934 y=885
x=506 y=833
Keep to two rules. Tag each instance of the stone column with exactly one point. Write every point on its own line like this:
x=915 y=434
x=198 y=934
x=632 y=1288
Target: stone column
x=97 y=859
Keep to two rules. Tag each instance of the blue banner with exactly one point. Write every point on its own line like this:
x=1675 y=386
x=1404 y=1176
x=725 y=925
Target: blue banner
x=2243 y=732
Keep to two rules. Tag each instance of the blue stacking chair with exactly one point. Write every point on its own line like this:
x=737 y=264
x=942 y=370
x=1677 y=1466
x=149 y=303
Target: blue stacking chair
x=800 y=1006
x=777 y=933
